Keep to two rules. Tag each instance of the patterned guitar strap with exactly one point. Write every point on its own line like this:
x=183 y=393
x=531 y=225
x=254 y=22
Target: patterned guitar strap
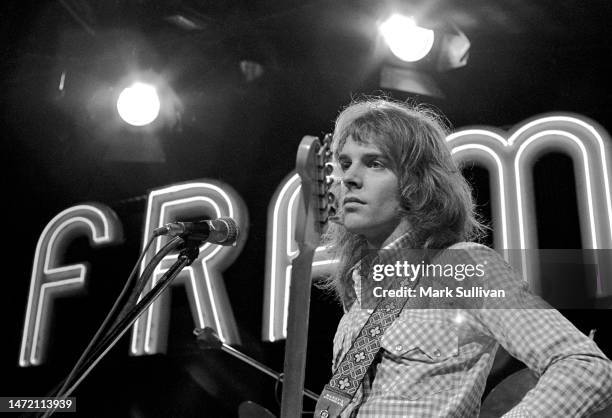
x=347 y=378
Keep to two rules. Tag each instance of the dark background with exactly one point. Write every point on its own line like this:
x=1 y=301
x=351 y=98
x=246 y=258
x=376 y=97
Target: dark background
x=60 y=149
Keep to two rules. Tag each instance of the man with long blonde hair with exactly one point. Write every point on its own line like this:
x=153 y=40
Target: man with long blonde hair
x=401 y=190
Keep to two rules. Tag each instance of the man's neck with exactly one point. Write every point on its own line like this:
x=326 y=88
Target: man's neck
x=401 y=229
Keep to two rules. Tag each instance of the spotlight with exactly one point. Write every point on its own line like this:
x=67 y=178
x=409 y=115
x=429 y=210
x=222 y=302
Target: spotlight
x=408 y=43
x=138 y=104
x=405 y=39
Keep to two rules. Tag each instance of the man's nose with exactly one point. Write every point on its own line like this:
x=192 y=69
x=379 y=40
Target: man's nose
x=352 y=178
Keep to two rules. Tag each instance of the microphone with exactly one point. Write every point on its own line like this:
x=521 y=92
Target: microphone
x=221 y=231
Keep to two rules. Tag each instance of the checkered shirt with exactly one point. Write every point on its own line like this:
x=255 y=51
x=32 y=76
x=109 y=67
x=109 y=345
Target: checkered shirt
x=434 y=362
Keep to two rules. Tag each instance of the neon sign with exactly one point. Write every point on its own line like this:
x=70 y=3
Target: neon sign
x=510 y=158
x=203 y=279
x=281 y=249
x=50 y=280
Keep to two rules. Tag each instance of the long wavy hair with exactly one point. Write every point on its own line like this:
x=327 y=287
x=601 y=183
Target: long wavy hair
x=435 y=198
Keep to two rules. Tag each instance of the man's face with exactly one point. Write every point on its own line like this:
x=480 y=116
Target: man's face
x=371 y=201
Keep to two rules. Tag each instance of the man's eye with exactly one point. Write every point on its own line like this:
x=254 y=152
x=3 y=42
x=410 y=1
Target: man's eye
x=376 y=164
x=344 y=165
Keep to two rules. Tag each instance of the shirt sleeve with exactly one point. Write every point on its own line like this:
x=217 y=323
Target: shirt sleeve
x=575 y=376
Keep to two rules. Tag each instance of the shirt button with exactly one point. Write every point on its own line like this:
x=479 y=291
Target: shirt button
x=398 y=347
x=436 y=353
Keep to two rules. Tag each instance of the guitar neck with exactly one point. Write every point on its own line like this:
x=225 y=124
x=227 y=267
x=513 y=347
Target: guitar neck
x=311 y=164
x=297 y=334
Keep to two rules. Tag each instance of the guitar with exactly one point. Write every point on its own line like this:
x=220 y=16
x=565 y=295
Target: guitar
x=313 y=164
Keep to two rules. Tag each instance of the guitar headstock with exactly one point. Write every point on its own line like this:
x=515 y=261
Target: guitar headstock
x=314 y=165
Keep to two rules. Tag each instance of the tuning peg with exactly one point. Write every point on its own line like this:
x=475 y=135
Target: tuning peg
x=331 y=198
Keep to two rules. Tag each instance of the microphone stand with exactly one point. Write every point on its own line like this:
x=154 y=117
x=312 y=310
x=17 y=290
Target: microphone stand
x=185 y=258
x=208 y=339
x=132 y=290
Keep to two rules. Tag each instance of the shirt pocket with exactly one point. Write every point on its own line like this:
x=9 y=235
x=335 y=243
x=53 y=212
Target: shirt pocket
x=428 y=341
x=420 y=358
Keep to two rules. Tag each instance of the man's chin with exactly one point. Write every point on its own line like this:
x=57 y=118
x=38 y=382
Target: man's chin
x=354 y=226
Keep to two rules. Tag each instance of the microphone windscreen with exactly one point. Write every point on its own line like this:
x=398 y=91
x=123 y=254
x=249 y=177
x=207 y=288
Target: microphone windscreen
x=232 y=231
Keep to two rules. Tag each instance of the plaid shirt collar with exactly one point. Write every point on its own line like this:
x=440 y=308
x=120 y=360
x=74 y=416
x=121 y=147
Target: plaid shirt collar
x=399 y=243
x=386 y=255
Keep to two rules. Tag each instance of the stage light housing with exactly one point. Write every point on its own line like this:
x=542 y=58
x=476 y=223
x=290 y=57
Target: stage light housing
x=413 y=56
x=407 y=41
